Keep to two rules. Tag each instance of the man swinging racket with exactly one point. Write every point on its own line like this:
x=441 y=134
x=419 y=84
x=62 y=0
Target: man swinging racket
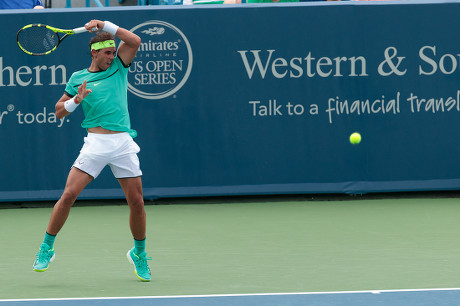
x=101 y=90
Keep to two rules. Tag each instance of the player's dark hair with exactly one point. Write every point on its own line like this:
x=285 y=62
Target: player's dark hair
x=100 y=36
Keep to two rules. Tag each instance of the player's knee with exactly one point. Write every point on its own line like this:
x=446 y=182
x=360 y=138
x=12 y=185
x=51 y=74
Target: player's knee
x=137 y=203
x=69 y=197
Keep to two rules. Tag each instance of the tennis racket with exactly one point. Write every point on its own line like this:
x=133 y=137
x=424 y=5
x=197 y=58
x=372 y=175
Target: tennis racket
x=41 y=39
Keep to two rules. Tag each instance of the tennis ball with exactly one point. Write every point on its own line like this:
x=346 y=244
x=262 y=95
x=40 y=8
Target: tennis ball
x=355 y=138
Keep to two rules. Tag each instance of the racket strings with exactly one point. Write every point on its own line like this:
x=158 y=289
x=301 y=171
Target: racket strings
x=37 y=40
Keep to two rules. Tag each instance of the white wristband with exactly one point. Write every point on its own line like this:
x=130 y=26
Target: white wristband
x=70 y=105
x=110 y=27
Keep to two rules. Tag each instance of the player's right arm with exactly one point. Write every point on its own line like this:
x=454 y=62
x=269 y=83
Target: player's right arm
x=61 y=112
x=60 y=107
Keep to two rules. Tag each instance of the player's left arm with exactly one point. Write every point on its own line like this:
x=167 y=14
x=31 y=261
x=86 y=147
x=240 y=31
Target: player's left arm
x=128 y=49
x=131 y=42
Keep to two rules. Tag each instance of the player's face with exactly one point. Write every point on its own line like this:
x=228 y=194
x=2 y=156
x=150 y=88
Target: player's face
x=104 y=57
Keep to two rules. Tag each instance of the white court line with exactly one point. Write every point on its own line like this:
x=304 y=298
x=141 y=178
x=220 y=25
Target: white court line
x=230 y=295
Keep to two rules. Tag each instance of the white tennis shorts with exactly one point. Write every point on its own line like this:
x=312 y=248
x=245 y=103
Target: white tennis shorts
x=119 y=151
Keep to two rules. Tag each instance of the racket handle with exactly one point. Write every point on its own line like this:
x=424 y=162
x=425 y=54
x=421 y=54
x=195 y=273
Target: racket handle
x=79 y=30
x=82 y=30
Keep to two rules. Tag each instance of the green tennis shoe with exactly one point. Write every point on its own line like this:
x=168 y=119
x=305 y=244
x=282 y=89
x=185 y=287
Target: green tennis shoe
x=44 y=257
x=141 y=268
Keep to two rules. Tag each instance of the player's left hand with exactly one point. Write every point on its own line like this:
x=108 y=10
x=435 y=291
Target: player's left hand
x=94 y=25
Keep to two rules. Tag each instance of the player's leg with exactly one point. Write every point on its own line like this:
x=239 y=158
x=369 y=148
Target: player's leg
x=76 y=182
x=132 y=188
x=126 y=168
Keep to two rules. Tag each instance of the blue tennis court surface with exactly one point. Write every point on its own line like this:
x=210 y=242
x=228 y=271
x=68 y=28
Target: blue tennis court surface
x=411 y=297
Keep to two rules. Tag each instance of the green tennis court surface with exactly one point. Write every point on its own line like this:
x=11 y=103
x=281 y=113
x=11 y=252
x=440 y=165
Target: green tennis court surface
x=239 y=246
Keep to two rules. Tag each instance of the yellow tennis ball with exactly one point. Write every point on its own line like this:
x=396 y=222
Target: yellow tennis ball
x=355 y=138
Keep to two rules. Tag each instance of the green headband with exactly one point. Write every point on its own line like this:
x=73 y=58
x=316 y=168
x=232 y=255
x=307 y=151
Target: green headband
x=103 y=44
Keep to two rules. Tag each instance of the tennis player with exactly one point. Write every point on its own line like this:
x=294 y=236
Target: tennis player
x=101 y=90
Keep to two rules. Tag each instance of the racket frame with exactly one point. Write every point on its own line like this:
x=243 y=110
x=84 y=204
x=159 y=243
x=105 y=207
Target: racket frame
x=55 y=30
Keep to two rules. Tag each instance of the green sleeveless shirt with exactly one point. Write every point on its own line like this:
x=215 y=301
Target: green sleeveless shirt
x=107 y=105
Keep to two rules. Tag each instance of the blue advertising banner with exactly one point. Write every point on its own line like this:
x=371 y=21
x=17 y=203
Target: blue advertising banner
x=249 y=99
